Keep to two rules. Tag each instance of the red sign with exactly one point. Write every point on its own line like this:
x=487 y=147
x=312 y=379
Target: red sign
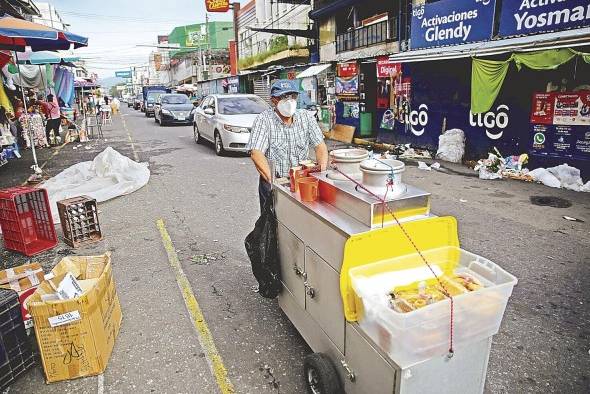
x=347 y=69
x=217 y=5
x=542 y=108
x=572 y=109
x=387 y=68
x=22 y=298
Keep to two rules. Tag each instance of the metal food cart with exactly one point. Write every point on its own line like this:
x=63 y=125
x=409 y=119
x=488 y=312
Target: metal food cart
x=314 y=239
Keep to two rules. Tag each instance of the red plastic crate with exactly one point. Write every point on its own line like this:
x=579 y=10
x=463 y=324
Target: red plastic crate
x=26 y=221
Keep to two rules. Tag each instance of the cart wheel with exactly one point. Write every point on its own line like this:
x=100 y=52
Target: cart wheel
x=320 y=375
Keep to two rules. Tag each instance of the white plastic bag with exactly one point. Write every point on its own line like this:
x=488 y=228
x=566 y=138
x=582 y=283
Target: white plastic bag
x=545 y=177
x=485 y=174
x=568 y=176
x=451 y=146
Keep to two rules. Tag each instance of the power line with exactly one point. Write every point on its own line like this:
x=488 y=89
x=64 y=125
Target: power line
x=119 y=17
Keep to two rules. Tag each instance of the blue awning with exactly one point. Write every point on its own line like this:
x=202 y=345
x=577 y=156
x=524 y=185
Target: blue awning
x=331 y=8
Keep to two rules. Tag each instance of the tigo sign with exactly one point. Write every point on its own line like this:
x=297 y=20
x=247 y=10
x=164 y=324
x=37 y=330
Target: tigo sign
x=537 y=16
x=452 y=22
x=493 y=122
x=217 y=5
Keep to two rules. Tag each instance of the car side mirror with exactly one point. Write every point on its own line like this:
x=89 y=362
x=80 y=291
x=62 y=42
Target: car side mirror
x=209 y=111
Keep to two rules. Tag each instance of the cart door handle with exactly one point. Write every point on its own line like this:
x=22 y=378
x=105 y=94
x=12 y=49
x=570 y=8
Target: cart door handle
x=349 y=373
x=309 y=290
x=298 y=271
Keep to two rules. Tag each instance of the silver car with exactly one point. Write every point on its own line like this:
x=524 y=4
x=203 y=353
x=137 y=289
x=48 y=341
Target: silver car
x=226 y=120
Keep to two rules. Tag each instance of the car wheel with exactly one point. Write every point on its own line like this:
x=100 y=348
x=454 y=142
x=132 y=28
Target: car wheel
x=196 y=134
x=219 y=151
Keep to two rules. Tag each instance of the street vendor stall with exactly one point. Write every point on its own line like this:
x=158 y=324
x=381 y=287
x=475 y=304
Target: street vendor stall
x=18 y=35
x=378 y=286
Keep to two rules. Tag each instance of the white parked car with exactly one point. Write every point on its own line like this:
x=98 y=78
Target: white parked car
x=226 y=120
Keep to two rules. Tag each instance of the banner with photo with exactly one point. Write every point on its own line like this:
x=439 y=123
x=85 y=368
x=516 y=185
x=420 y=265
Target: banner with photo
x=572 y=109
x=347 y=85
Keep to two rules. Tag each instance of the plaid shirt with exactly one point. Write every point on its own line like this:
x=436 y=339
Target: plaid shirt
x=290 y=143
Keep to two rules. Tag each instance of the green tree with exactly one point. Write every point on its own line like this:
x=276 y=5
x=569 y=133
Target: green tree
x=113 y=91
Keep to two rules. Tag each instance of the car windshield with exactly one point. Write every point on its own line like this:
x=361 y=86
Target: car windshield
x=241 y=105
x=176 y=99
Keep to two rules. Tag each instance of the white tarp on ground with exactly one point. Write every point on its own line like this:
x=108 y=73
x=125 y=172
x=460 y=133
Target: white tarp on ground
x=109 y=175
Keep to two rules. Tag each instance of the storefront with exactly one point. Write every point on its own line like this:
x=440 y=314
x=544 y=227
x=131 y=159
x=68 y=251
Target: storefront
x=540 y=107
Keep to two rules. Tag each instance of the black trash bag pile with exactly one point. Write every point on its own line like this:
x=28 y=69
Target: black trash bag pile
x=262 y=248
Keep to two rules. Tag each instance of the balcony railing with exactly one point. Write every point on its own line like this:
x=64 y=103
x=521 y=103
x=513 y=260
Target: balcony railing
x=376 y=33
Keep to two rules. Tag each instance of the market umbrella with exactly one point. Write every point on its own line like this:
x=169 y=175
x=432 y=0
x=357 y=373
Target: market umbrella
x=17 y=34
x=5 y=58
x=46 y=57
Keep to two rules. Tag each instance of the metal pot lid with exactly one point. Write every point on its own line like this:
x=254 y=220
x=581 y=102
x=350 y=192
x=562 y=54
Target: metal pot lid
x=385 y=165
x=353 y=154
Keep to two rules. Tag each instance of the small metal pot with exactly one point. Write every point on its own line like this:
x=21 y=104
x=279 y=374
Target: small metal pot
x=347 y=161
x=377 y=173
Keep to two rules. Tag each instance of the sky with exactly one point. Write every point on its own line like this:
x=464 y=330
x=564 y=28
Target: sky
x=115 y=27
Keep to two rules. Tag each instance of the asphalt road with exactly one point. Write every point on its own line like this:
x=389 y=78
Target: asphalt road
x=209 y=204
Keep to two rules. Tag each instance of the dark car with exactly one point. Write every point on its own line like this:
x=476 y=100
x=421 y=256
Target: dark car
x=137 y=103
x=173 y=109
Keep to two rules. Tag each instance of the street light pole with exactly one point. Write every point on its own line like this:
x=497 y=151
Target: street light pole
x=236 y=9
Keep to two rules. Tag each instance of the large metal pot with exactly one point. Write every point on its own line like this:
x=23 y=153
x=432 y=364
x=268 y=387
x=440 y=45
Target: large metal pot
x=383 y=175
x=347 y=161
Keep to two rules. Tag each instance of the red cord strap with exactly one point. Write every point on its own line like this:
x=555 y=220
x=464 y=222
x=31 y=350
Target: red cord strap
x=385 y=206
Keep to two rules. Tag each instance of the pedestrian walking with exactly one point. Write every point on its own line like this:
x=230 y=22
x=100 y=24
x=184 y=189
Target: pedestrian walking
x=281 y=137
x=53 y=114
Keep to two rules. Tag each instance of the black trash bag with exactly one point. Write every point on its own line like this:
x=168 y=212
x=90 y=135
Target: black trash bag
x=262 y=248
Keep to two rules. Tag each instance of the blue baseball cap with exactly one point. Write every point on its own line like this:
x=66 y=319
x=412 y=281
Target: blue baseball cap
x=283 y=86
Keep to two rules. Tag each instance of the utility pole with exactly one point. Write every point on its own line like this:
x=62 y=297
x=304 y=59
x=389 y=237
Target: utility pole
x=236 y=9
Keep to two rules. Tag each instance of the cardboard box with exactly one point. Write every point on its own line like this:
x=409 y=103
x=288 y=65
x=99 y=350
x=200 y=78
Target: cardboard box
x=76 y=337
x=342 y=133
x=22 y=277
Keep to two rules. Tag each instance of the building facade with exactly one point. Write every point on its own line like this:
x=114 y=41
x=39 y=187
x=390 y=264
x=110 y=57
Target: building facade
x=49 y=16
x=407 y=71
x=203 y=52
x=273 y=32
x=21 y=9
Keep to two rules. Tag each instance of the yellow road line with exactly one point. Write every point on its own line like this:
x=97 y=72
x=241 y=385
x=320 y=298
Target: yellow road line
x=205 y=338
x=135 y=155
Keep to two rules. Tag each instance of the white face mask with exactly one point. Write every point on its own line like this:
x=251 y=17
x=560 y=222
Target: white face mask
x=287 y=107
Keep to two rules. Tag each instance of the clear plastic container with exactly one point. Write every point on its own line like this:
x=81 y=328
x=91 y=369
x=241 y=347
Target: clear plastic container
x=425 y=333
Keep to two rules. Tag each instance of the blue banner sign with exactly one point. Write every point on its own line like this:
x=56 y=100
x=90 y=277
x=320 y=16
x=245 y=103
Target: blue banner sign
x=536 y=16
x=123 y=74
x=452 y=22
